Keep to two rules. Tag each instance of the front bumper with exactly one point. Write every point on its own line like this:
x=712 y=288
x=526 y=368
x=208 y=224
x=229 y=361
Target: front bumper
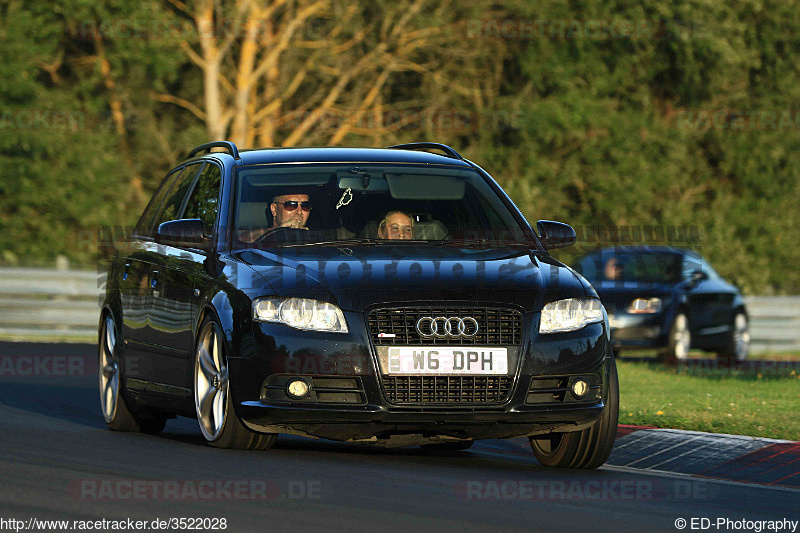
x=277 y=353
x=638 y=330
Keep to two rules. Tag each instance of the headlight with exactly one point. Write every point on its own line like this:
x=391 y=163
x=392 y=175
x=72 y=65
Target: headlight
x=570 y=314
x=644 y=305
x=300 y=313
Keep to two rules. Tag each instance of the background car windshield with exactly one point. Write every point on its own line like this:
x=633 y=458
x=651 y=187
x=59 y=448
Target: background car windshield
x=631 y=266
x=350 y=201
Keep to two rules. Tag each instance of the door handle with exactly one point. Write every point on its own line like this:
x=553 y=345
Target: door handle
x=154 y=279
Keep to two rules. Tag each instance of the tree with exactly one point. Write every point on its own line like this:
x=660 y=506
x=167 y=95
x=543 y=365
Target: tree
x=294 y=72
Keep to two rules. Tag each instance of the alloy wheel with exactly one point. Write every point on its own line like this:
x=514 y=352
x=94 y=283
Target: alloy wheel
x=681 y=337
x=741 y=337
x=108 y=370
x=210 y=383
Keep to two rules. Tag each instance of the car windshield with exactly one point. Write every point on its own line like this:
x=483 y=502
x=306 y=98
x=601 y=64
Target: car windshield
x=297 y=205
x=659 y=267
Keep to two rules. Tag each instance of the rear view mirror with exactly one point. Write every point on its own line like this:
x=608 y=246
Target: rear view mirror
x=555 y=234
x=371 y=183
x=184 y=233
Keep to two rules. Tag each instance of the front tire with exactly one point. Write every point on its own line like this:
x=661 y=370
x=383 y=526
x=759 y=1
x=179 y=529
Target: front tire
x=588 y=448
x=737 y=347
x=216 y=415
x=118 y=415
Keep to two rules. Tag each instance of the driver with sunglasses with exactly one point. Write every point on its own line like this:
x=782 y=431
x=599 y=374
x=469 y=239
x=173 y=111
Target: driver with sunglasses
x=288 y=211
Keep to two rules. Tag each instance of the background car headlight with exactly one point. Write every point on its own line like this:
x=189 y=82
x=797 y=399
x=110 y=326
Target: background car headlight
x=645 y=305
x=570 y=314
x=300 y=313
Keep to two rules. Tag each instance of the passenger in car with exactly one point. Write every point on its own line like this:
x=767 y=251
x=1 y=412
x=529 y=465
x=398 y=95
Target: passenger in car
x=396 y=225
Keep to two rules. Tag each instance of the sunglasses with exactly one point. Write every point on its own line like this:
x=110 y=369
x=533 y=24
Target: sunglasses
x=291 y=205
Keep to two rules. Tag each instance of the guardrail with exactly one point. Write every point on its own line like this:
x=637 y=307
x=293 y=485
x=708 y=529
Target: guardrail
x=42 y=304
x=774 y=323
x=48 y=304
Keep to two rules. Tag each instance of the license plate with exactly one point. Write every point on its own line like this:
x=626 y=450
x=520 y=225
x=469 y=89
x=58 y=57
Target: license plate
x=444 y=360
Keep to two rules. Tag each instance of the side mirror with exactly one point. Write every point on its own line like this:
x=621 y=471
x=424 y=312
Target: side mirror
x=555 y=234
x=184 y=233
x=698 y=276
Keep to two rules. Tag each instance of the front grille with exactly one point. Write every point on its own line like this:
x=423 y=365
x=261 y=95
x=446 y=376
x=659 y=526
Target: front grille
x=447 y=389
x=496 y=327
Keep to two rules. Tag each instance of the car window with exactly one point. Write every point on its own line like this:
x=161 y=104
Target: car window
x=145 y=226
x=442 y=203
x=204 y=201
x=635 y=266
x=174 y=201
x=692 y=263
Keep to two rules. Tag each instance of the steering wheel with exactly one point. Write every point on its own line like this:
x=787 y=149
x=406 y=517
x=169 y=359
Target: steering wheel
x=272 y=233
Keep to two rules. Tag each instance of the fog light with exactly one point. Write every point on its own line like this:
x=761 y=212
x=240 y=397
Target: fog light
x=580 y=388
x=297 y=388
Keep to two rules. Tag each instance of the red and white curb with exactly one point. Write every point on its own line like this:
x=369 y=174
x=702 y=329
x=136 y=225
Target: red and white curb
x=708 y=455
x=689 y=454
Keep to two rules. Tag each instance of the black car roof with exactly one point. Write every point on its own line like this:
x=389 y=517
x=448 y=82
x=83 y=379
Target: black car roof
x=266 y=156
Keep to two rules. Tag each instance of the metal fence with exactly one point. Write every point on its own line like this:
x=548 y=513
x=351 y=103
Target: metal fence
x=48 y=304
x=42 y=304
x=774 y=323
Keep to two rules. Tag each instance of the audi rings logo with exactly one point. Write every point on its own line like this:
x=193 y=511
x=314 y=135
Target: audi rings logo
x=441 y=327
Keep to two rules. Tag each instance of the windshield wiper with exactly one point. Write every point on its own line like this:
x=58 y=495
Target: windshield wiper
x=335 y=242
x=381 y=242
x=481 y=242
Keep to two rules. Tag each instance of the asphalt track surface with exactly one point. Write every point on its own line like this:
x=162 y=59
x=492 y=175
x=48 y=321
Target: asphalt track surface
x=60 y=462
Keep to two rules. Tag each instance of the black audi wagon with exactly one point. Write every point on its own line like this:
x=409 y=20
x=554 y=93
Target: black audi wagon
x=387 y=296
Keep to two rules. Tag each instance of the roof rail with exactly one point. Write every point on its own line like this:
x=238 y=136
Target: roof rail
x=449 y=152
x=216 y=144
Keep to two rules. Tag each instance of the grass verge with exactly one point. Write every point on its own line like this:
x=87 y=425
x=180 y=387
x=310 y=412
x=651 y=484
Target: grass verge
x=761 y=401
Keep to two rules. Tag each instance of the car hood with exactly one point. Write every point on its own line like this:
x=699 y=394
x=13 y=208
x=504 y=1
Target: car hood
x=362 y=276
x=618 y=295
